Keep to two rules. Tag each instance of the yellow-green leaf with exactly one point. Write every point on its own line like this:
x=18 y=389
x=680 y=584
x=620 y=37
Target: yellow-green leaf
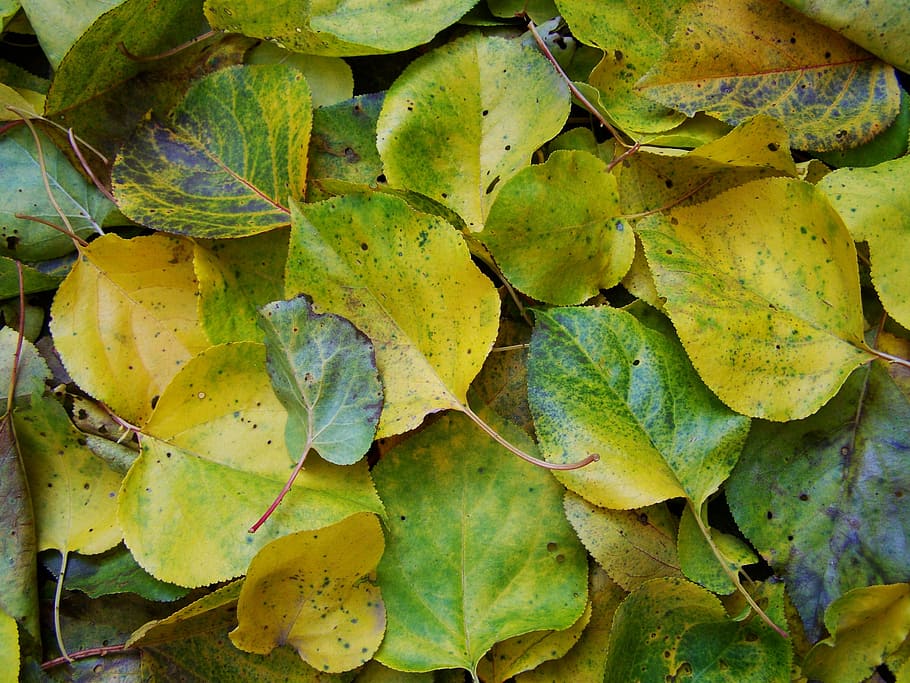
x=762 y=286
x=867 y=626
x=525 y=652
x=633 y=546
x=700 y=564
x=330 y=27
x=560 y=217
x=477 y=548
x=633 y=36
x=124 y=320
x=463 y=119
x=875 y=206
x=311 y=590
x=879 y=26
x=406 y=280
x=330 y=78
x=231 y=158
x=602 y=381
x=9 y=648
x=213 y=458
x=736 y=58
x=73 y=492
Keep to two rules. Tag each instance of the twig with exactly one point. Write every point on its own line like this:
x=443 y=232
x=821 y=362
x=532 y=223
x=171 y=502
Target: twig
x=85 y=654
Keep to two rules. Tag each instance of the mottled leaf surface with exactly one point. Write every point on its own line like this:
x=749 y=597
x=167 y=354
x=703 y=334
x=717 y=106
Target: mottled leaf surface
x=735 y=59
x=822 y=498
x=311 y=590
x=491 y=101
x=228 y=161
x=406 y=280
x=762 y=286
x=462 y=560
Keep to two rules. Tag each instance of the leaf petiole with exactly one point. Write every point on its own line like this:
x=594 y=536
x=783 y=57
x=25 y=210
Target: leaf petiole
x=284 y=491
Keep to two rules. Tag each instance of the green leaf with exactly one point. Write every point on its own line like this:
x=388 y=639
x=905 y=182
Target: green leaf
x=734 y=59
x=559 y=217
x=880 y=27
x=330 y=78
x=343 y=144
x=236 y=278
x=633 y=36
x=33 y=280
x=9 y=646
x=602 y=382
x=318 y=583
x=463 y=119
x=73 y=492
x=762 y=286
x=406 y=280
x=699 y=563
x=348 y=28
x=211 y=460
x=125 y=320
x=889 y=144
x=867 y=626
x=477 y=553
x=23 y=192
x=324 y=373
x=633 y=546
x=59 y=25
x=110 y=573
x=883 y=222
x=671 y=628
x=233 y=156
x=829 y=515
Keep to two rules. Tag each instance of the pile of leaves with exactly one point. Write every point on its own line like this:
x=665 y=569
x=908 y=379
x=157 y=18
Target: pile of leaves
x=288 y=287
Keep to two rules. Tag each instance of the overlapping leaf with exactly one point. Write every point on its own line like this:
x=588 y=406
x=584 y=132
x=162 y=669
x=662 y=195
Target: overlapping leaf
x=125 y=320
x=59 y=26
x=883 y=223
x=311 y=590
x=762 y=285
x=324 y=373
x=560 y=217
x=232 y=156
x=352 y=27
x=214 y=456
x=633 y=36
x=602 y=382
x=23 y=192
x=406 y=280
x=734 y=59
x=463 y=119
x=462 y=561
x=829 y=516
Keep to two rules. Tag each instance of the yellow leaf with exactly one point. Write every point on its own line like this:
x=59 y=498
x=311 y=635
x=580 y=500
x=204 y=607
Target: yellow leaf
x=312 y=590
x=124 y=320
x=762 y=286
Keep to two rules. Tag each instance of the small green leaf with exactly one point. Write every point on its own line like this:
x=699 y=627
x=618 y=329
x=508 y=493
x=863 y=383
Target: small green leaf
x=463 y=119
x=330 y=78
x=762 y=286
x=476 y=553
x=875 y=208
x=735 y=58
x=233 y=156
x=311 y=590
x=602 y=382
x=829 y=514
x=700 y=564
x=324 y=373
x=867 y=626
x=556 y=218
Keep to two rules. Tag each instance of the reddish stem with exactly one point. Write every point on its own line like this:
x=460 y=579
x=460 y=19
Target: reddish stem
x=284 y=492
x=85 y=654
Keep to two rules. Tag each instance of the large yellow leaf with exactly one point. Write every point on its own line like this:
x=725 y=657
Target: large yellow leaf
x=736 y=58
x=311 y=590
x=405 y=279
x=124 y=321
x=762 y=285
x=875 y=206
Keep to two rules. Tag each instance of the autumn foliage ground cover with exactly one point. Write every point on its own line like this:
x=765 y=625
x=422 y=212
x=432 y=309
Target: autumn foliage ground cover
x=527 y=341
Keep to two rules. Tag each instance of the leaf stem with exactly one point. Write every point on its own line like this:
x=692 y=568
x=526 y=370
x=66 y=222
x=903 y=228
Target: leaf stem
x=64 y=556
x=493 y=434
x=284 y=491
x=532 y=27
x=85 y=167
x=887 y=356
x=167 y=53
x=733 y=576
x=17 y=355
x=85 y=654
